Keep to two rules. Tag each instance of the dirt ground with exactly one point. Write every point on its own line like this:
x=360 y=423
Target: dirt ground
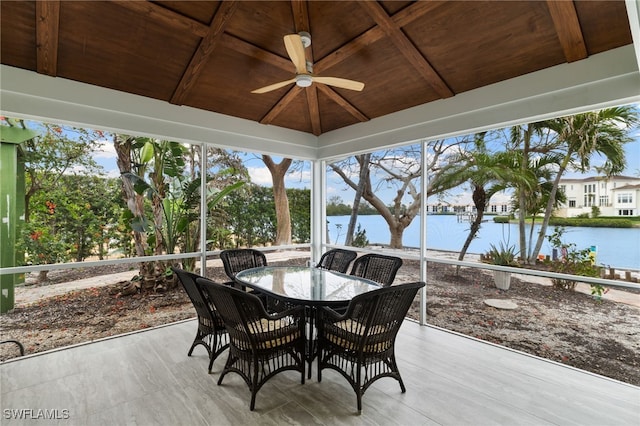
x=568 y=327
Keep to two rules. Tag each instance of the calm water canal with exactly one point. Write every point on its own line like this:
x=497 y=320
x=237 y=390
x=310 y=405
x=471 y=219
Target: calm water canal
x=615 y=247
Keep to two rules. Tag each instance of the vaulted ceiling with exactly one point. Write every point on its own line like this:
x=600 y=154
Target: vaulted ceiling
x=210 y=55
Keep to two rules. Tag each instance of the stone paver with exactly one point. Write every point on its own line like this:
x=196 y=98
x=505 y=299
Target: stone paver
x=501 y=303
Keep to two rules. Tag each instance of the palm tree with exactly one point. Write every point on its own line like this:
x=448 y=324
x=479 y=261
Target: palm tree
x=581 y=136
x=524 y=134
x=532 y=200
x=488 y=174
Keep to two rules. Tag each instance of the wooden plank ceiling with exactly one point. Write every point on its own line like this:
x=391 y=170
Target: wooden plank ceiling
x=211 y=54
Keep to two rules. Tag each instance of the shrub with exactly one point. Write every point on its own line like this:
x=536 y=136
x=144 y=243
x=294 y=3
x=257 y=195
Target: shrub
x=574 y=262
x=501 y=219
x=599 y=222
x=505 y=255
x=360 y=238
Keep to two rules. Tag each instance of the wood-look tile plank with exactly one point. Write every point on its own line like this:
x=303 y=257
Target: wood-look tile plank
x=140 y=379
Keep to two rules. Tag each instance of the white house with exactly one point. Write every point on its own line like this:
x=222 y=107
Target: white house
x=614 y=196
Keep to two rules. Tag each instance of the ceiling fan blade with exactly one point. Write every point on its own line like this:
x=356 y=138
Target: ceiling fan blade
x=295 y=49
x=274 y=86
x=342 y=83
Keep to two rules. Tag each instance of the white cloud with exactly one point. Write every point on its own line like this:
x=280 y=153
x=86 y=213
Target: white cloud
x=106 y=150
x=113 y=173
x=299 y=179
x=260 y=176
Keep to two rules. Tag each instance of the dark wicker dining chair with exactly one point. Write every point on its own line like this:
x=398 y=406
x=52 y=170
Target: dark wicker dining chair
x=377 y=267
x=237 y=260
x=261 y=345
x=211 y=333
x=360 y=344
x=337 y=260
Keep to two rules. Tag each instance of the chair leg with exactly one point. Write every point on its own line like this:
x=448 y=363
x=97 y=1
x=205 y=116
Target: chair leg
x=254 y=385
x=225 y=370
x=359 y=385
x=394 y=369
x=195 y=343
x=200 y=340
x=213 y=354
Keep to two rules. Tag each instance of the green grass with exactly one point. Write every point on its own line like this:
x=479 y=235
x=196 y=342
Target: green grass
x=598 y=222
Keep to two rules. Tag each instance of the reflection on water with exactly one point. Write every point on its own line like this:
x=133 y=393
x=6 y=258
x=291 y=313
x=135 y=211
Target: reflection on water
x=615 y=247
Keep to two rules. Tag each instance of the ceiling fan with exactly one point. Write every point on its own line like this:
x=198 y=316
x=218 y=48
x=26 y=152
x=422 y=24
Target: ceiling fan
x=295 y=45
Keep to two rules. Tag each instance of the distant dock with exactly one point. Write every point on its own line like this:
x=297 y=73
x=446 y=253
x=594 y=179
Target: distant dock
x=466 y=216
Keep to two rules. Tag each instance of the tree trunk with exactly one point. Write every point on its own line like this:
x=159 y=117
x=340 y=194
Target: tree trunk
x=134 y=201
x=283 y=216
x=396 y=237
x=480 y=202
x=549 y=209
x=364 y=177
x=522 y=198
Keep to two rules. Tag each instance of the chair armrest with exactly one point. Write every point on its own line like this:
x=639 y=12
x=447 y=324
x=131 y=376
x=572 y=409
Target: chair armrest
x=295 y=311
x=324 y=312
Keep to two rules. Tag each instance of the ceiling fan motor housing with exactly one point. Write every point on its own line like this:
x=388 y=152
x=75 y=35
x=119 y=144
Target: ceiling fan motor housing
x=306 y=38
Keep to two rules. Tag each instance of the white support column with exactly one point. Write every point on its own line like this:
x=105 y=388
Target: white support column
x=424 y=183
x=318 y=208
x=203 y=210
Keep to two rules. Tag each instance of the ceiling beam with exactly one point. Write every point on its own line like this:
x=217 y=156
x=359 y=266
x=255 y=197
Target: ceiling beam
x=301 y=22
x=565 y=20
x=314 y=108
x=335 y=97
x=252 y=51
x=407 y=48
x=281 y=105
x=204 y=50
x=300 y=15
x=158 y=14
x=47 y=29
x=404 y=17
x=349 y=49
x=415 y=11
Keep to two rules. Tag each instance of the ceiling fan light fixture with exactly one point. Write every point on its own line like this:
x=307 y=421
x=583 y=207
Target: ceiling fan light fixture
x=303 y=80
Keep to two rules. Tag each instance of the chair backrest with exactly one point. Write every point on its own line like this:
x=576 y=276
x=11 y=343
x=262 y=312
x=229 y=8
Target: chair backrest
x=238 y=309
x=238 y=260
x=377 y=267
x=380 y=312
x=204 y=309
x=337 y=260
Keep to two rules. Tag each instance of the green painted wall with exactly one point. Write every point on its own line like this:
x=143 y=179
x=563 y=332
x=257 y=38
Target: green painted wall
x=12 y=207
x=8 y=221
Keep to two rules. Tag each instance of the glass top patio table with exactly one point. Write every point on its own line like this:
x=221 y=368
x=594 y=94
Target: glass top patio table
x=306 y=285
